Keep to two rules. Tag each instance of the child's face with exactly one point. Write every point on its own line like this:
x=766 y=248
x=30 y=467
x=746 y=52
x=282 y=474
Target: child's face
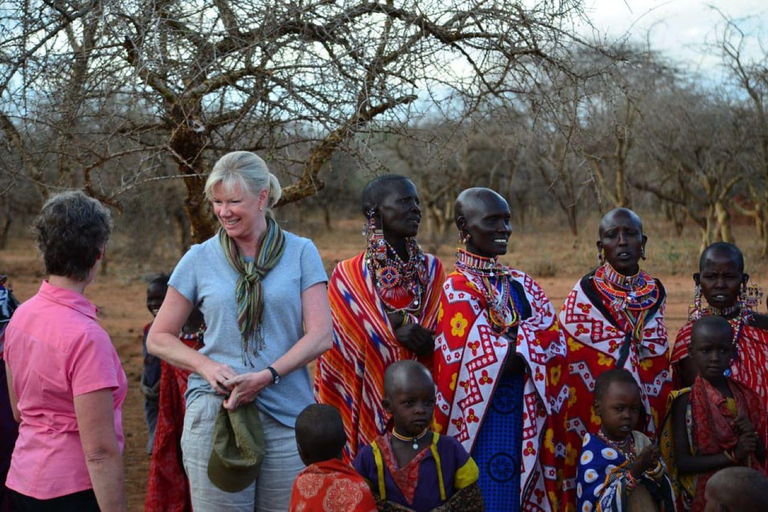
x=619 y=410
x=412 y=406
x=155 y=296
x=711 y=352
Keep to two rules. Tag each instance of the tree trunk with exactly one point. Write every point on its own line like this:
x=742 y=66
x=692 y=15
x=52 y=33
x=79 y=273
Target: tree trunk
x=707 y=231
x=724 y=222
x=4 y=231
x=573 y=222
x=188 y=141
x=328 y=217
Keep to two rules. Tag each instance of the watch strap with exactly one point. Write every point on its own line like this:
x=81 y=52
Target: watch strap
x=275 y=375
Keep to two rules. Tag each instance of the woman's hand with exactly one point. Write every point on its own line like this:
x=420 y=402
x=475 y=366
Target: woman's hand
x=513 y=364
x=416 y=338
x=217 y=375
x=743 y=425
x=244 y=388
x=747 y=444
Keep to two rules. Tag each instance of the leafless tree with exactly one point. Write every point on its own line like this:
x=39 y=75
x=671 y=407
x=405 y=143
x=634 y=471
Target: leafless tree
x=751 y=77
x=100 y=94
x=698 y=144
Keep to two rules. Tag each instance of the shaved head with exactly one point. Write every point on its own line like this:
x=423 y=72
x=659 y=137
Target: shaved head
x=472 y=200
x=607 y=219
x=403 y=375
x=725 y=248
x=713 y=325
x=377 y=188
x=737 y=488
x=320 y=433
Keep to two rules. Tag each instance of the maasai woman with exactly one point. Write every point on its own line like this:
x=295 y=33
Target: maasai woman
x=614 y=318
x=722 y=281
x=498 y=366
x=384 y=305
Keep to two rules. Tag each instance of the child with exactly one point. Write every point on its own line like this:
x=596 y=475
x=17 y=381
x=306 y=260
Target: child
x=150 y=374
x=421 y=469
x=719 y=418
x=737 y=488
x=168 y=485
x=619 y=467
x=326 y=483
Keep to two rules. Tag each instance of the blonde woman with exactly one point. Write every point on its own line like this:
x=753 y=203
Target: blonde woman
x=262 y=292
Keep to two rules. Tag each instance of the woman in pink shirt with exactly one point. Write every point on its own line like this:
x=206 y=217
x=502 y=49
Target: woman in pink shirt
x=65 y=380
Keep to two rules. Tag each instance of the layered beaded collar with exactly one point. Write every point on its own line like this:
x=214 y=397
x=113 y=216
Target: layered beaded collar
x=478 y=265
x=489 y=277
x=726 y=312
x=635 y=292
x=395 y=278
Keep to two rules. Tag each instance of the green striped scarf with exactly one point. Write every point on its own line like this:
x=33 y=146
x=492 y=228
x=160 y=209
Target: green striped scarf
x=248 y=292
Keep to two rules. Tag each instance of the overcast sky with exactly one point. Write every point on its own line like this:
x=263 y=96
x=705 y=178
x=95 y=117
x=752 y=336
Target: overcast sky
x=681 y=28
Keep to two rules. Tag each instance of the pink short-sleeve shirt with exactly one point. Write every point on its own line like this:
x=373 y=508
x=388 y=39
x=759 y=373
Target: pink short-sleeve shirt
x=55 y=350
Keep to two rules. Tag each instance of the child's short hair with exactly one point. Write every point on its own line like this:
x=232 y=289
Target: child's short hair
x=711 y=323
x=160 y=280
x=605 y=379
x=396 y=371
x=320 y=433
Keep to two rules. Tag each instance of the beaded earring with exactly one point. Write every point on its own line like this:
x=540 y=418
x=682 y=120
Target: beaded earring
x=642 y=252
x=369 y=225
x=464 y=238
x=743 y=297
x=694 y=311
x=600 y=256
x=754 y=296
x=377 y=245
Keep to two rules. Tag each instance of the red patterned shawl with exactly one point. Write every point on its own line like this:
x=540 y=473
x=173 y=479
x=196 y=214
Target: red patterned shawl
x=350 y=376
x=714 y=426
x=595 y=341
x=469 y=356
x=331 y=486
x=751 y=364
x=168 y=486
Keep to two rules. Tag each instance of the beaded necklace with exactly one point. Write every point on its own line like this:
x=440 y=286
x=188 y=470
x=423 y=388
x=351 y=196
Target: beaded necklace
x=629 y=296
x=193 y=339
x=491 y=279
x=395 y=278
x=626 y=447
x=415 y=439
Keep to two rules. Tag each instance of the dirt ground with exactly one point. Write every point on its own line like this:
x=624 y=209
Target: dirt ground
x=120 y=296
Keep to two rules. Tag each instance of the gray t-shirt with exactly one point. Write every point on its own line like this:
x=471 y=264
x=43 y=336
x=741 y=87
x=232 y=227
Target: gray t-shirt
x=205 y=278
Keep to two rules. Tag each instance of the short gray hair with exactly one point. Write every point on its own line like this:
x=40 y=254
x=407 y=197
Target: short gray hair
x=249 y=171
x=71 y=231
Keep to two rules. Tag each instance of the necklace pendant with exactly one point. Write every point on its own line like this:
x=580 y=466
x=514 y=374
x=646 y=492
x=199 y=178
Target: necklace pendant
x=415 y=444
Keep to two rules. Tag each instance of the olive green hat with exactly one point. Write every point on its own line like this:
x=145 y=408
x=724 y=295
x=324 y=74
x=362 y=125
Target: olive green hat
x=238 y=447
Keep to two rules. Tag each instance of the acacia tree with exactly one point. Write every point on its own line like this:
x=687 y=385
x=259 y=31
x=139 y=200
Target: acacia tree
x=123 y=86
x=751 y=77
x=698 y=144
x=617 y=91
